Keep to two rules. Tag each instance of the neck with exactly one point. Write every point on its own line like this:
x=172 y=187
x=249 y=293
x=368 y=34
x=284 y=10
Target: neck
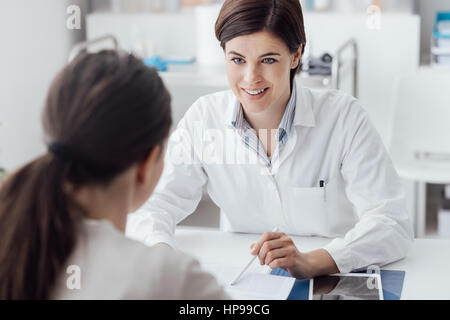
x=111 y=203
x=270 y=118
x=100 y=207
x=266 y=123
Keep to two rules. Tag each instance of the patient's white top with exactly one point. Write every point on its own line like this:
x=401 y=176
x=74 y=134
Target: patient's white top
x=112 y=266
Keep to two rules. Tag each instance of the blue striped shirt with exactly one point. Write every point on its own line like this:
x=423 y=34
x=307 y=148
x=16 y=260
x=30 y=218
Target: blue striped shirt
x=249 y=136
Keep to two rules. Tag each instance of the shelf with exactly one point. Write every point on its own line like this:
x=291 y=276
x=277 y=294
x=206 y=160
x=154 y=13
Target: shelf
x=440 y=51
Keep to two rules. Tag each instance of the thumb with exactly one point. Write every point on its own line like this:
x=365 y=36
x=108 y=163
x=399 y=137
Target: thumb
x=254 y=248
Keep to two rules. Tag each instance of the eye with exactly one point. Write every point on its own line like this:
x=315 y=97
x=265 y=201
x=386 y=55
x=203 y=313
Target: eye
x=237 y=60
x=269 y=60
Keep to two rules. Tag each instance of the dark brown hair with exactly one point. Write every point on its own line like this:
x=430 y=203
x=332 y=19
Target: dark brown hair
x=104 y=112
x=282 y=18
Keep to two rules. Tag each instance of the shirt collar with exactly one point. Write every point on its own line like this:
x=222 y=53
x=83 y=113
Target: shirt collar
x=288 y=116
x=304 y=115
x=236 y=114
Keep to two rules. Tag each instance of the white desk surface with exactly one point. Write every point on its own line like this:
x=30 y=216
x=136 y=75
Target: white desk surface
x=426 y=265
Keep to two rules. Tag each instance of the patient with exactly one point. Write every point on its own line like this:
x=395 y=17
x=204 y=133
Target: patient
x=63 y=215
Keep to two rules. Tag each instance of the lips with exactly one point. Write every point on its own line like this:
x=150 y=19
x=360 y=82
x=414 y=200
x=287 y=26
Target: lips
x=255 y=94
x=255 y=91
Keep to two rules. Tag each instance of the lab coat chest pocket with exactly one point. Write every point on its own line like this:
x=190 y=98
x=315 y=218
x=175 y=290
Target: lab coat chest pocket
x=306 y=208
x=324 y=211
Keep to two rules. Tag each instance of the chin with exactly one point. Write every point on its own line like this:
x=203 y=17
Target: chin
x=254 y=107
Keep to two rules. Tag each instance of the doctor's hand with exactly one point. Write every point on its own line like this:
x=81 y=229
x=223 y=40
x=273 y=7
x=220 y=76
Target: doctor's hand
x=277 y=250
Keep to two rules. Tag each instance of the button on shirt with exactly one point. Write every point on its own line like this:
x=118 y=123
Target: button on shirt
x=360 y=205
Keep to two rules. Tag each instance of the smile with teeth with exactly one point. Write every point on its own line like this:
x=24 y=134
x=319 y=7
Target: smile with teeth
x=256 y=92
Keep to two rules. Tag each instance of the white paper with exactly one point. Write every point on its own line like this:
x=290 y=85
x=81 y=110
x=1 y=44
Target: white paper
x=255 y=284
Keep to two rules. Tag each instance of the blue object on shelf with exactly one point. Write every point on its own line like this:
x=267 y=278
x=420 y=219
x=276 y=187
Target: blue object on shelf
x=310 y=5
x=162 y=64
x=156 y=62
x=180 y=60
x=391 y=282
x=441 y=16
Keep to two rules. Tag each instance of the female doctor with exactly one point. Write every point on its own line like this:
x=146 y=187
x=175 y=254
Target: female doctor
x=320 y=169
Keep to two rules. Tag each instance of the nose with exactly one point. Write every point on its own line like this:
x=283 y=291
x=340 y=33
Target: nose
x=252 y=74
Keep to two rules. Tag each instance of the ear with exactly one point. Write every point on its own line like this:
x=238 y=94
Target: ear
x=297 y=57
x=144 y=168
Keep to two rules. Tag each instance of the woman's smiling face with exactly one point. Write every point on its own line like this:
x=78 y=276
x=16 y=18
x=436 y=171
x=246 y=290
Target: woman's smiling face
x=258 y=69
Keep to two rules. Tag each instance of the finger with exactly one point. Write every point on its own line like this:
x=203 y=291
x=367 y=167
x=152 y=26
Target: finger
x=283 y=241
x=266 y=237
x=267 y=247
x=257 y=245
x=253 y=249
x=269 y=236
x=276 y=254
x=283 y=263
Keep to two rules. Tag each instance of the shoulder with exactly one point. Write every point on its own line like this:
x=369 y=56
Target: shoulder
x=334 y=105
x=331 y=99
x=133 y=269
x=115 y=267
x=210 y=109
x=182 y=276
x=143 y=259
x=162 y=272
x=167 y=273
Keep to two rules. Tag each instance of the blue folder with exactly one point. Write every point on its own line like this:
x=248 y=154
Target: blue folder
x=391 y=282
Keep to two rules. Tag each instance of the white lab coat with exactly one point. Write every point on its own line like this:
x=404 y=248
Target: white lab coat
x=332 y=139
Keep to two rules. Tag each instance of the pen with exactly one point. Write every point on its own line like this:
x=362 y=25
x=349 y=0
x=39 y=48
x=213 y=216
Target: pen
x=248 y=264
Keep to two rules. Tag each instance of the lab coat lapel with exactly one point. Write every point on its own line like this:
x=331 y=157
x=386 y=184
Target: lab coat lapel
x=303 y=120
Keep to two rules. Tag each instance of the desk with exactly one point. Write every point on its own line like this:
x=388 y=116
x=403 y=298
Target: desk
x=426 y=265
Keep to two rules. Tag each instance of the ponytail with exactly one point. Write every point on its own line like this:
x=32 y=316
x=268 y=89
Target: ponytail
x=38 y=231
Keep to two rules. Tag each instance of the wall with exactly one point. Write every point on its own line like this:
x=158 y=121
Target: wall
x=34 y=44
x=384 y=53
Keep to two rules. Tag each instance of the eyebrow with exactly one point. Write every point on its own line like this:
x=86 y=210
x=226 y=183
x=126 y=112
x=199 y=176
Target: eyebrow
x=261 y=56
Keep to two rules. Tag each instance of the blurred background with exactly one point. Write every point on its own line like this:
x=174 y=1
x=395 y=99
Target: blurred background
x=393 y=55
